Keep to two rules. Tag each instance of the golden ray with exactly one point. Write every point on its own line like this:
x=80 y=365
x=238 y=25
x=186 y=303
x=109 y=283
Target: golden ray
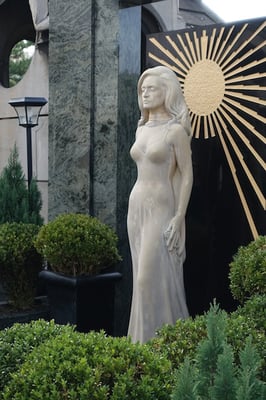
x=244 y=57
x=217 y=44
x=211 y=44
x=241 y=78
x=205 y=127
x=247 y=110
x=168 y=54
x=196 y=40
x=245 y=67
x=193 y=123
x=185 y=49
x=204 y=44
x=180 y=53
x=166 y=64
x=245 y=123
x=235 y=178
x=223 y=44
x=241 y=159
x=244 y=44
x=211 y=125
x=191 y=47
x=192 y=117
x=242 y=136
x=246 y=87
x=197 y=130
x=243 y=96
x=231 y=45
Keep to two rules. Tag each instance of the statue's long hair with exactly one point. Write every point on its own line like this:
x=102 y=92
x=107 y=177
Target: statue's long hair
x=175 y=103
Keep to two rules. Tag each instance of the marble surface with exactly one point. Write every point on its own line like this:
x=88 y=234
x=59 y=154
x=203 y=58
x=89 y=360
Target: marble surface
x=70 y=101
x=93 y=116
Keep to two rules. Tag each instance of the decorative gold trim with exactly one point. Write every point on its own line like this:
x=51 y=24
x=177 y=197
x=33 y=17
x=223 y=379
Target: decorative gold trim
x=217 y=72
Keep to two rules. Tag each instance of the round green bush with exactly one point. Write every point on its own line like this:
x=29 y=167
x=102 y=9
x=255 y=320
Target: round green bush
x=179 y=340
x=248 y=270
x=78 y=366
x=76 y=244
x=18 y=341
x=20 y=263
x=254 y=309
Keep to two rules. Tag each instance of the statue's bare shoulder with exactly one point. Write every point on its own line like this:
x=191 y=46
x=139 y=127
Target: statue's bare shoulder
x=177 y=135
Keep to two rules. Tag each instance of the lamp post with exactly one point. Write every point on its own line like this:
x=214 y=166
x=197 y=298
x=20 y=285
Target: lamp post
x=28 y=111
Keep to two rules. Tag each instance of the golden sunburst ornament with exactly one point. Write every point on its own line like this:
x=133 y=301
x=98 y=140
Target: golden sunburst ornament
x=222 y=72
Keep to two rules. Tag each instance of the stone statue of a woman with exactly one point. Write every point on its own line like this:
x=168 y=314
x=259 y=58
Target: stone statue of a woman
x=158 y=203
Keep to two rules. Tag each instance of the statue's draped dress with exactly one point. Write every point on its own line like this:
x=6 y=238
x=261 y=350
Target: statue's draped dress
x=158 y=288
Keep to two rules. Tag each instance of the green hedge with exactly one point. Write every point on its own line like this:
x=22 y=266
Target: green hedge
x=78 y=366
x=18 y=341
x=248 y=270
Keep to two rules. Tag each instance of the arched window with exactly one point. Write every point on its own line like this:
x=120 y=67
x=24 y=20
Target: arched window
x=19 y=60
x=16 y=26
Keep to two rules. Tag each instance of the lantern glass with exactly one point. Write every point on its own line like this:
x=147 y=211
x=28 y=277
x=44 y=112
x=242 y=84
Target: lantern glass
x=28 y=109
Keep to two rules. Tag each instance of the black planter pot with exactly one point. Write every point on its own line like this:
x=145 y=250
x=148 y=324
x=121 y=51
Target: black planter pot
x=84 y=301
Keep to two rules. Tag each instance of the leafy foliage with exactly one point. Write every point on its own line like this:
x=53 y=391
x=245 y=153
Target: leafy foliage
x=248 y=270
x=19 y=62
x=78 y=366
x=17 y=204
x=181 y=340
x=76 y=244
x=19 y=262
x=18 y=341
x=254 y=309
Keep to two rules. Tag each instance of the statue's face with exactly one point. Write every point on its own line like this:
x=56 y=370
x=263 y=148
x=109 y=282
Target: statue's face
x=152 y=93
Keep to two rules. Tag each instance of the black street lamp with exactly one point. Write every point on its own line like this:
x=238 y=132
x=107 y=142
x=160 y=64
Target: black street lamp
x=28 y=110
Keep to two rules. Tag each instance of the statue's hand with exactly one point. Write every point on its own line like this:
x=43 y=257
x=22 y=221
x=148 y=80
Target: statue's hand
x=172 y=234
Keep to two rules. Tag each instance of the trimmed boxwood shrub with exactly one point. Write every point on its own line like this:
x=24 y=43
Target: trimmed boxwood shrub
x=77 y=244
x=20 y=263
x=179 y=340
x=248 y=270
x=18 y=341
x=78 y=366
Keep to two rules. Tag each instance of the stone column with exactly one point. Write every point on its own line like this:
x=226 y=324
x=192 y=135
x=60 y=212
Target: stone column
x=83 y=70
x=94 y=66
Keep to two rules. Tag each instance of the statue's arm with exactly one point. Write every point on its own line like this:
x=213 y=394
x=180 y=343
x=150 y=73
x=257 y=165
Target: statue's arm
x=180 y=141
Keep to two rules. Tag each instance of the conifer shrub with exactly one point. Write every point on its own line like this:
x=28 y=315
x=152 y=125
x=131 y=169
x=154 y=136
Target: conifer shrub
x=18 y=341
x=77 y=366
x=212 y=374
x=181 y=340
x=248 y=270
x=20 y=263
x=17 y=203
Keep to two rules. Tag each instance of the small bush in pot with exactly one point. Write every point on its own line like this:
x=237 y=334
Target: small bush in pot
x=20 y=263
x=77 y=244
x=248 y=270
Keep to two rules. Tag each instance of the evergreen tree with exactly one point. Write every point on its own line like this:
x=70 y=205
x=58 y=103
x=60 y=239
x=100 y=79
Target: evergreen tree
x=186 y=387
x=249 y=387
x=224 y=386
x=17 y=204
x=213 y=375
x=210 y=349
